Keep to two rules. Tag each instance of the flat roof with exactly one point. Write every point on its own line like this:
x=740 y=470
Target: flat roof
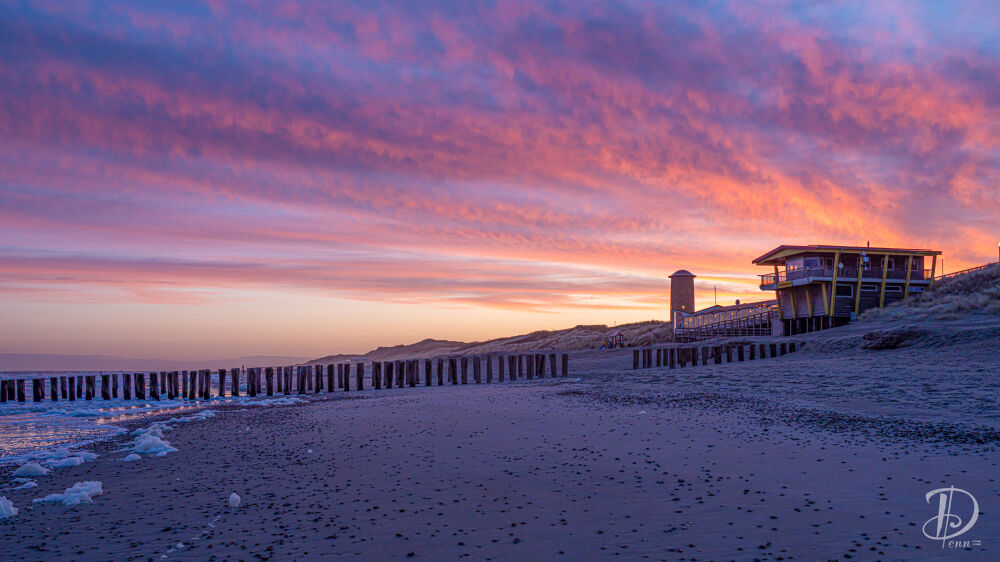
x=778 y=255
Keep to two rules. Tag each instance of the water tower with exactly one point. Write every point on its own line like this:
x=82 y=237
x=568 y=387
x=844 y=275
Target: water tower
x=681 y=293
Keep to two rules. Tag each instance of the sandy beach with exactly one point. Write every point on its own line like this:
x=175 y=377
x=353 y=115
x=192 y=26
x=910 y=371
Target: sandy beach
x=796 y=457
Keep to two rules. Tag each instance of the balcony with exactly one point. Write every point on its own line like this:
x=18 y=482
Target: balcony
x=769 y=281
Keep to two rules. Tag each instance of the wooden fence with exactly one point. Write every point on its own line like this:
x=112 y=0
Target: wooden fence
x=296 y=379
x=677 y=357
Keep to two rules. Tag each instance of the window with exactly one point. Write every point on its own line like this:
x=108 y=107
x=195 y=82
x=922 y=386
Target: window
x=891 y=263
x=897 y=289
x=869 y=287
x=845 y=290
x=828 y=263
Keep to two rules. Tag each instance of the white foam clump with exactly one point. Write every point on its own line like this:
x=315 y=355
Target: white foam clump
x=150 y=440
x=132 y=457
x=277 y=402
x=75 y=460
x=31 y=469
x=7 y=508
x=81 y=492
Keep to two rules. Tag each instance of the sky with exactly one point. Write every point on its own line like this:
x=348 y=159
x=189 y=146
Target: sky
x=213 y=179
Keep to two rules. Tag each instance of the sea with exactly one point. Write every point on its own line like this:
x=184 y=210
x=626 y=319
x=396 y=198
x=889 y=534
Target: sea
x=31 y=428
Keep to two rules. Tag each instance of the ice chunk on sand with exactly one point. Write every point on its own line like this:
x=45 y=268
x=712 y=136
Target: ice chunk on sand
x=81 y=492
x=31 y=469
x=68 y=462
x=26 y=485
x=132 y=457
x=234 y=500
x=7 y=508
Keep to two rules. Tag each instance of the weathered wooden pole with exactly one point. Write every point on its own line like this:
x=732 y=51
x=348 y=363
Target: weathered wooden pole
x=761 y=351
x=465 y=370
x=635 y=359
x=739 y=353
x=400 y=373
x=163 y=382
x=234 y=382
x=376 y=375
x=413 y=368
x=659 y=357
x=671 y=357
x=500 y=366
x=79 y=386
x=140 y=385
x=512 y=367
x=565 y=364
x=729 y=354
x=222 y=383
x=269 y=380
x=453 y=370
x=387 y=375
x=529 y=361
x=54 y=388
x=783 y=348
x=126 y=387
x=520 y=366
x=717 y=354
x=64 y=392
x=694 y=356
x=3 y=392
x=791 y=347
x=154 y=387
x=428 y=372
x=37 y=390
x=553 y=366
x=540 y=365
x=331 y=377
x=477 y=369
x=440 y=371
x=90 y=383
x=752 y=356
x=317 y=378
x=359 y=373
x=489 y=369
x=774 y=350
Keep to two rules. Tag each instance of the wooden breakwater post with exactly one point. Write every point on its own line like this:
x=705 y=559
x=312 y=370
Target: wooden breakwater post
x=791 y=347
x=635 y=359
x=440 y=371
x=139 y=385
x=729 y=353
x=783 y=348
x=331 y=378
x=54 y=388
x=154 y=387
x=659 y=357
x=3 y=392
x=387 y=375
x=412 y=373
x=20 y=390
x=774 y=349
x=739 y=352
x=565 y=364
x=500 y=362
x=359 y=376
x=37 y=391
x=553 y=367
x=377 y=375
x=512 y=367
x=465 y=370
x=428 y=372
x=453 y=370
x=672 y=357
x=529 y=364
x=347 y=377
x=400 y=371
x=477 y=369
x=269 y=380
x=489 y=369
x=126 y=387
x=318 y=374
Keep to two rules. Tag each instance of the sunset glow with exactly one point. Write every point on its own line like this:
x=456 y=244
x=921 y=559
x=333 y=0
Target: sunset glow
x=211 y=179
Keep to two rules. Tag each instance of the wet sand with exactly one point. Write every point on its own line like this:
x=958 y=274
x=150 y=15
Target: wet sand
x=607 y=466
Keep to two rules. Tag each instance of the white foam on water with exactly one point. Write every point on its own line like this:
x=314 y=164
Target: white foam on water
x=81 y=492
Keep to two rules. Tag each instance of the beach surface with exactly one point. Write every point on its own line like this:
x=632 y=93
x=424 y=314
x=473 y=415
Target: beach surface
x=804 y=456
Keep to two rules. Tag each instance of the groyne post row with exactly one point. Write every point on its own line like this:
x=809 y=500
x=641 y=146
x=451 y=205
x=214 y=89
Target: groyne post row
x=676 y=357
x=302 y=379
